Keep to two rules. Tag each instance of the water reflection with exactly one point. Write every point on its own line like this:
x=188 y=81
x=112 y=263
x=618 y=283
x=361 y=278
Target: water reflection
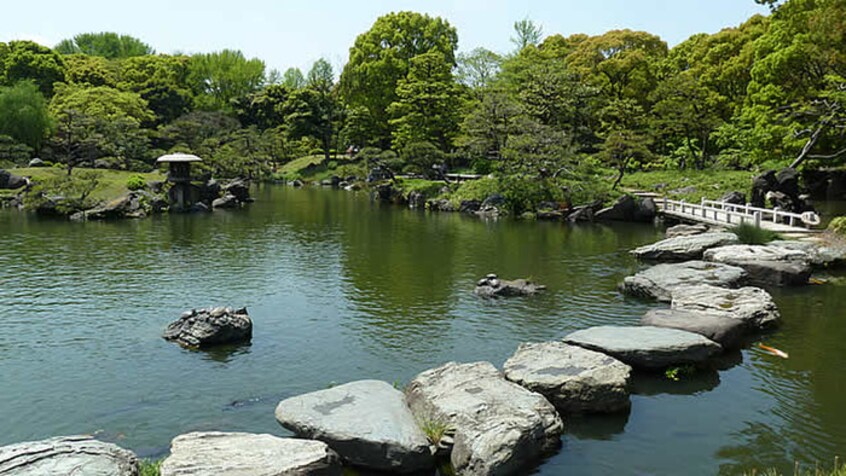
x=596 y=426
x=651 y=383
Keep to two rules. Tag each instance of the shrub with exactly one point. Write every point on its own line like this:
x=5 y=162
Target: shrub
x=419 y=157
x=368 y=154
x=150 y=468
x=136 y=182
x=752 y=235
x=838 y=225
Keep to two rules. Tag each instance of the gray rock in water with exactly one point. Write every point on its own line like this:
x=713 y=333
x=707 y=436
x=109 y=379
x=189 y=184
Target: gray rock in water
x=684 y=248
x=766 y=265
x=820 y=254
x=659 y=281
x=246 y=454
x=686 y=230
x=574 y=379
x=67 y=456
x=500 y=427
x=209 y=327
x=753 y=306
x=130 y=205
x=491 y=287
x=723 y=330
x=366 y=422
x=647 y=347
x=226 y=201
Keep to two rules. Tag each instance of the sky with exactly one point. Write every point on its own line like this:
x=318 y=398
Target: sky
x=286 y=33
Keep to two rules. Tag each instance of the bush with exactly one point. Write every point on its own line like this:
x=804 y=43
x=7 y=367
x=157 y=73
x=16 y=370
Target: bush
x=419 y=157
x=752 y=235
x=522 y=194
x=838 y=225
x=135 y=182
x=368 y=154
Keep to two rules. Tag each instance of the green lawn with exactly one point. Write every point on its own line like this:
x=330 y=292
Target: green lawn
x=112 y=183
x=710 y=184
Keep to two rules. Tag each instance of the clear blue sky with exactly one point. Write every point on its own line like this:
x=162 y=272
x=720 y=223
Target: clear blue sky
x=295 y=33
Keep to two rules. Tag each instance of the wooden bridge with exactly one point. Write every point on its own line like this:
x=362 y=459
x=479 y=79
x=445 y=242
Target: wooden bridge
x=728 y=214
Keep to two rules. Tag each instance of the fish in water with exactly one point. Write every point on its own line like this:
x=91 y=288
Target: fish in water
x=774 y=351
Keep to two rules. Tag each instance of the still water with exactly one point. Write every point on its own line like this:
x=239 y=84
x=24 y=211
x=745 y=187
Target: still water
x=341 y=289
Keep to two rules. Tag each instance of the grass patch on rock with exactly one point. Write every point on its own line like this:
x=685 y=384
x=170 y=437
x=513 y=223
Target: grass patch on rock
x=752 y=235
x=150 y=468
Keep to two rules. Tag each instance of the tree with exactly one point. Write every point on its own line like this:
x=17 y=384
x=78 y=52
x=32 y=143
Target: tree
x=220 y=77
x=197 y=132
x=321 y=77
x=488 y=124
x=428 y=103
x=106 y=44
x=478 y=68
x=526 y=33
x=26 y=60
x=293 y=78
x=265 y=109
x=381 y=57
x=312 y=113
x=162 y=81
x=625 y=141
x=24 y=115
x=90 y=70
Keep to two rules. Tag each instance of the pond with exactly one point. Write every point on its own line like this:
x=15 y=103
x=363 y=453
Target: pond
x=341 y=289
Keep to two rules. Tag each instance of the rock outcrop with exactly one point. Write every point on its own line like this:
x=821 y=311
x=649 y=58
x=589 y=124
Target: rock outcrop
x=753 y=306
x=132 y=205
x=629 y=208
x=491 y=286
x=10 y=181
x=572 y=378
x=766 y=265
x=500 y=427
x=684 y=248
x=659 y=281
x=246 y=454
x=209 y=327
x=646 y=347
x=367 y=423
x=67 y=456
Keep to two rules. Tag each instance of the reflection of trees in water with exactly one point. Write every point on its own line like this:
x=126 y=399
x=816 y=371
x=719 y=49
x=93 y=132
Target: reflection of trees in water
x=807 y=420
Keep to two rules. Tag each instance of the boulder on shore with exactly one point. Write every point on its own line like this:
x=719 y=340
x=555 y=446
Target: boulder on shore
x=132 y=205
x=10 y=181
x=659 y=281
x=684 y=248
x=766 y=265
x=209 y=327
x=491 y=286
x=646 y=347
x=629 y=208
x=67 y=456
x=723 y=330
x=572 y=378
x=753 y=306
x=367 y=423
x=246 y=454
x=500 y=427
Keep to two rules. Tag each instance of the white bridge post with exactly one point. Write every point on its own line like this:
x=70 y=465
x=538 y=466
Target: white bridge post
x=757 y=216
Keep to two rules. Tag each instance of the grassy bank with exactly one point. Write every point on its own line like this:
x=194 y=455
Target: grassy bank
x=690 y=185
x=111 y=183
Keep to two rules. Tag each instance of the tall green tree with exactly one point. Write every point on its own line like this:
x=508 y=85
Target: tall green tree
x=24 y=115
x=526 y=33
x=90 y=70
x=478 y=68
x=162 y=81
x=106 y=44
x=381 y=57
x=27 y=60
x=293 y=78
x=220 y=77
x=314 y=111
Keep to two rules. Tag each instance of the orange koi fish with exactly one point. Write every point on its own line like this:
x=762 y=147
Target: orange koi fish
x=774 y=351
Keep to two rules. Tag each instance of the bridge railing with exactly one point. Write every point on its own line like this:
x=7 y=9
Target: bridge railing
x=731 y=213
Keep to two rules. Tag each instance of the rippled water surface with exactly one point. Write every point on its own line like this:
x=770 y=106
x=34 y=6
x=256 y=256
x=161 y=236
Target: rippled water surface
x=341 y=289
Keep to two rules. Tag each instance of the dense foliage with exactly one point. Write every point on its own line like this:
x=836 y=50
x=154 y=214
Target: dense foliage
x=769 y=92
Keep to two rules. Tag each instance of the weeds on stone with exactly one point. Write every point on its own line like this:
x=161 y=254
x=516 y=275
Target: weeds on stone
x=435 y=430
x=677 y=373
x=752 y=235
x=150 y=468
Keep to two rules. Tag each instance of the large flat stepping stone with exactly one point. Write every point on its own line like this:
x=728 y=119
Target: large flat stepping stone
x=659 y=281
x=246 y=454
x=684 y=248
x=67 y=456
x=646 y=347
x=754 y=306
x=500 y=427
x=820 y=254
x=572 y=378
x=366 y=422
x=766 y=265
x=723 y=330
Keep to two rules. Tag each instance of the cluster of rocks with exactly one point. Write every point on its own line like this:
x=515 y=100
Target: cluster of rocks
x=10 y=181
x=780 y=189
x=491 y=286
x=209 y=327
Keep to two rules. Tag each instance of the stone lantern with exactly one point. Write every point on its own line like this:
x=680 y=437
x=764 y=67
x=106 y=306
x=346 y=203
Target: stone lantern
x=182 y=194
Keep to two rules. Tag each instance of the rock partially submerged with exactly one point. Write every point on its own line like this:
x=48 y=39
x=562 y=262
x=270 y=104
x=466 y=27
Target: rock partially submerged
x=646 y=347
x=629 y=208
x=209 y=327
x=132 y=205
x=66 y=456
x=753 y=306
x=766 y=265
x=686 y=230
x=723 y=330
x=820 y=254
x=246 y=454
x=491 y=286
x=572 y=378
x=367 y=423
x=659 y=281
x=684 y=248
x=500 y=427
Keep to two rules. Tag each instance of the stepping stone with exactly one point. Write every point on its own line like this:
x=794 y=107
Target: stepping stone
x=820 y=254
x=684 y=248
x=245 y=454
x=646 y=347
x=366 y=422
x=686 y=230
x=723 y=330
x=659 y=281
x=500 y=427
x=754 y=306
x=766 y=265
x=572 y=378
x=67 y=456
